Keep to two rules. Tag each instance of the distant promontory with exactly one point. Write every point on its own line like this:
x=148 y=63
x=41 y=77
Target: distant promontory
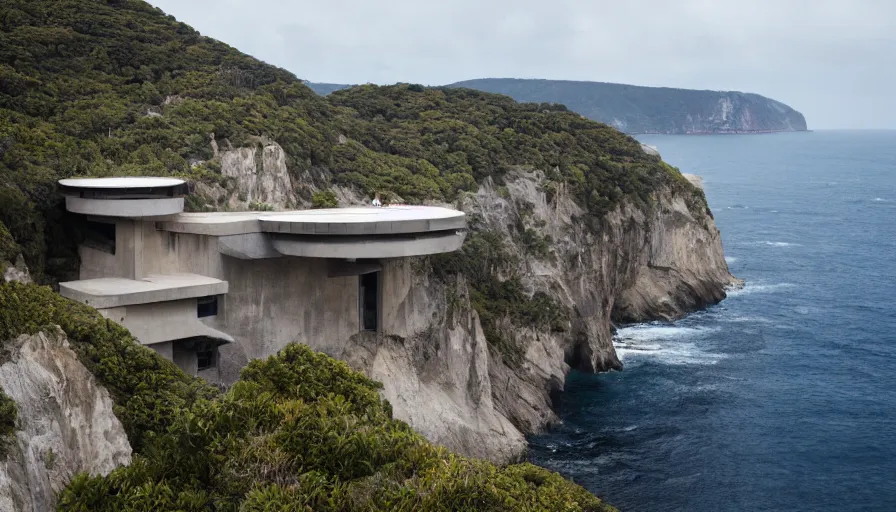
x=635 y=109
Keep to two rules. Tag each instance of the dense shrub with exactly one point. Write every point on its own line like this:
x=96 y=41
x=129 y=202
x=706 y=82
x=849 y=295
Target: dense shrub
x=302 y=431
x=324 y=199
x=299 y=431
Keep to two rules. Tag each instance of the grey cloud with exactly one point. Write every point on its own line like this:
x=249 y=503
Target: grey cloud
x=834 y=60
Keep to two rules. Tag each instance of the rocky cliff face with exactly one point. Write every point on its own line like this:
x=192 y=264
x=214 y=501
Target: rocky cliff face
x=640 y=263
x=65 y=424
x=440 y=374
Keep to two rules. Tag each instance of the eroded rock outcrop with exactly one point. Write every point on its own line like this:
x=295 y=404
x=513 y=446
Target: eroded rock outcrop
x=17 y=271
x=65 y=424
x=258 y=178
x=434 y=365
x=638 y=263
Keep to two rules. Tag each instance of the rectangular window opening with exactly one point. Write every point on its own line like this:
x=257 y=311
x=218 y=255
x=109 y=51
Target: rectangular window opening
x=100 y=236
x=369 y=295
x=205 y=357
x=207 y=306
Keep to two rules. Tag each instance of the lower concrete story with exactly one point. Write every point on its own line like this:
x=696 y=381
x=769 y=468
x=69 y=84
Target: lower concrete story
x=110 y=292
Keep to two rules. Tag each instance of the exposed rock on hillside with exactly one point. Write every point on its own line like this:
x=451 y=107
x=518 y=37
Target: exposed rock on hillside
x=65 y=424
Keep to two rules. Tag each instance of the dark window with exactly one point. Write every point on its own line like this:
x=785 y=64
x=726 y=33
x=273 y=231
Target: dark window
x=207 y=306
x=370 y=300
x=100 y=236
x=205 y=357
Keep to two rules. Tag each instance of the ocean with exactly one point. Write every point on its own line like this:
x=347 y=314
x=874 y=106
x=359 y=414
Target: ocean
x=782 y=397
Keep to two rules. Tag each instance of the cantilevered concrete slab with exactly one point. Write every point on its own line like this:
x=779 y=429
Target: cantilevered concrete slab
x=124 y=196
x=347 y=233
x=365 y=221
x=360 y=247
x=111 y=292
x=326 y=221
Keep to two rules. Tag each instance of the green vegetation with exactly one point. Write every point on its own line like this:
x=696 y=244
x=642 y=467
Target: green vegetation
x=115 y=87
x=324 y=199
x=299 y=431
x=92 y=87
x=635 y=109
x=8 y=414
x=9 y=249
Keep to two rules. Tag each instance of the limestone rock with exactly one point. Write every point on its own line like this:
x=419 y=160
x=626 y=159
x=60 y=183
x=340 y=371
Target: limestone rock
x=695 y=180
x=65 y=420
x=634 y=266
x=18 y=272
x=435 y=365
x=259 y=174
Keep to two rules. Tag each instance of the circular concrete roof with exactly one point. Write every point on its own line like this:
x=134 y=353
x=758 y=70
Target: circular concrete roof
x=365 y=214
x=121 y=182
x=364 y=220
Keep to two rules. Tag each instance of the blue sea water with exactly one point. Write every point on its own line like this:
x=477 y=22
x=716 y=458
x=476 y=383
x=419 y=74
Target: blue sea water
x=782 y=397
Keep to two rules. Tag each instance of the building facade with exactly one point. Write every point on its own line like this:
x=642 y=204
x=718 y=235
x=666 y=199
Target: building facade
x=212 y=291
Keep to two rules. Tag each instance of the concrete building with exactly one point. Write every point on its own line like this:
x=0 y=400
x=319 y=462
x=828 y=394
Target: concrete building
x=211 y=291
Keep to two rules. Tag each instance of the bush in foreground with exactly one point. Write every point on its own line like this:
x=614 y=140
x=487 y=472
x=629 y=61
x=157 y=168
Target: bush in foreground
x=300 y=431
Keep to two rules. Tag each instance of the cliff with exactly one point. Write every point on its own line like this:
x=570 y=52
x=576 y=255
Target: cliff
x=65 y=422
x=635 y=109
x=573 y=226
x=480 y=387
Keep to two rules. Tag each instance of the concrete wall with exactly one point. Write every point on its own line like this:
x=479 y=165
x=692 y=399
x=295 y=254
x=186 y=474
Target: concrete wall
x=270 y=302
x=155 y=322
x=96 y=263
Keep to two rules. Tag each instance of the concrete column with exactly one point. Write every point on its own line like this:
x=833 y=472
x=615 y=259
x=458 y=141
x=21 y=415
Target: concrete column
x=138 y=249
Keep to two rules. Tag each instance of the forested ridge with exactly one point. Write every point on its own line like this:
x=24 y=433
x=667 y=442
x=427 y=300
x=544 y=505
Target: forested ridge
x=115 y=87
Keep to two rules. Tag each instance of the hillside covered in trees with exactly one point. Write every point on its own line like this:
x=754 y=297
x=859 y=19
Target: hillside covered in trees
x=635 y=109
x=116 y=87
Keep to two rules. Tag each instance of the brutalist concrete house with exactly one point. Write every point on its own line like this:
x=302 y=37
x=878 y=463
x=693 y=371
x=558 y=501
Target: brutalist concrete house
x=213 y=290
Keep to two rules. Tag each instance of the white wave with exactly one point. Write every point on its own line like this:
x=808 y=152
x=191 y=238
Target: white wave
x=751 y=288
x=665 y=344
x=780 y=244
x=672 y=354
x=654 y=333
x=730 y=259
x=880 y=200
x=746 y=319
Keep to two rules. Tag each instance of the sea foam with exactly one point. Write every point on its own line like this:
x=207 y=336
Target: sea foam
x=665 y=344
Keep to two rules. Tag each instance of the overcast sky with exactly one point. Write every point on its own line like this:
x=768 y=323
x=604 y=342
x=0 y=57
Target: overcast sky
x=833 y=60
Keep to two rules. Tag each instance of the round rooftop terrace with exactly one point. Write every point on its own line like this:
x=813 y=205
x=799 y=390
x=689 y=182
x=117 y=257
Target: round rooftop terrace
x=121 y=182
x=128 y=196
